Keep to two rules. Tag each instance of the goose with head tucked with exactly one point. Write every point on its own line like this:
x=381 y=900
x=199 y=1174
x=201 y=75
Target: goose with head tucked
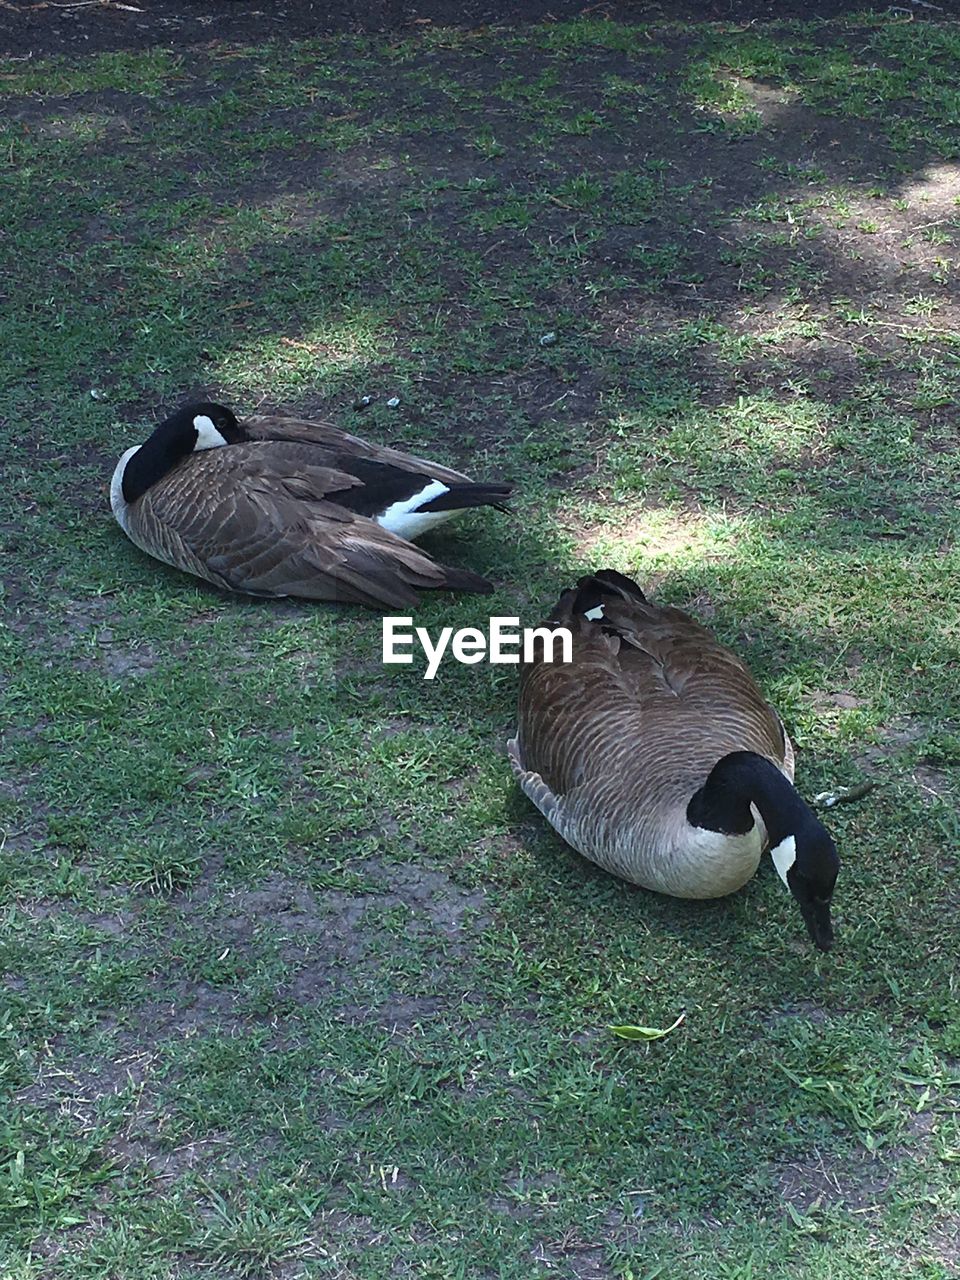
x=655 y=755
x=280 y=506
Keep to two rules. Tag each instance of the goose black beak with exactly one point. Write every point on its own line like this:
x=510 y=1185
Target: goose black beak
x=819 y=925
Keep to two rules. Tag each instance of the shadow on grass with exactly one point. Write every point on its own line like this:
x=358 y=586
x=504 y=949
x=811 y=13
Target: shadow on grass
x=319 y=244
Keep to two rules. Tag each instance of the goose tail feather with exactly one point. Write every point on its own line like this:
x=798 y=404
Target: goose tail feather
x=592 y=592
x=460 y=497
x=464 y=580
x=611 y=583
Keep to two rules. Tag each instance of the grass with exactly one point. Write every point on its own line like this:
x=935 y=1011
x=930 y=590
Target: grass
x=295 y=983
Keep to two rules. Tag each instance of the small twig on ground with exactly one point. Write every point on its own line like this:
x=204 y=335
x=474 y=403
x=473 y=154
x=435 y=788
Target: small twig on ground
x=843 y=795
x=917 y=334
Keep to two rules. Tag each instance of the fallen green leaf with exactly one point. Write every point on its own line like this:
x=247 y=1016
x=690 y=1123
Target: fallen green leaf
x=628 y=1032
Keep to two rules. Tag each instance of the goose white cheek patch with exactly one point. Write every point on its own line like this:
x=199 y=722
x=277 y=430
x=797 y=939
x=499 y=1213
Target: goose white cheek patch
x=594 y=614
x=784 y=855
x=208 y=437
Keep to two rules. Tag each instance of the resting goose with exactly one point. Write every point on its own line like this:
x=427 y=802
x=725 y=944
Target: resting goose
x=278 y=506
x=654 y=754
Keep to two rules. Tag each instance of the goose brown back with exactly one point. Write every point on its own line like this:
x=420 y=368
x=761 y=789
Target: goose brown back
x=612 y=746
x=292 y=508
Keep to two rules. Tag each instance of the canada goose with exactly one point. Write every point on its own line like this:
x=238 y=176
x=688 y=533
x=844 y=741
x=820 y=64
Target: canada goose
x=279 y=506
x=654 y=754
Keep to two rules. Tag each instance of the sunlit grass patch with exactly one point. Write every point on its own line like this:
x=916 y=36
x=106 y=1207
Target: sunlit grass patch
x=657 y=540
x=305 y=361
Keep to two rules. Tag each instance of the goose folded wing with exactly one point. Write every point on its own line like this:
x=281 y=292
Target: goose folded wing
x=687 y=656
x=535 y=787
x=353 y=559
x=276 y=534
x=329 y=441
x=713 y=684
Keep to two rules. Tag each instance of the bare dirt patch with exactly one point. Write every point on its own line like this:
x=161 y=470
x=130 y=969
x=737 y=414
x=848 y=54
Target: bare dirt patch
x=944 y=1244
x=579 y=1259
x=118 y=661
x=332 y=939
x=858 y=1182
x=900 y=739
x=800 y=1010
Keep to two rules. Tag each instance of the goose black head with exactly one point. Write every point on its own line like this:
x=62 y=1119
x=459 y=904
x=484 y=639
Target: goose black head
x=213 y=424
x=800 y=846
x=192 y=427
x=808 y=865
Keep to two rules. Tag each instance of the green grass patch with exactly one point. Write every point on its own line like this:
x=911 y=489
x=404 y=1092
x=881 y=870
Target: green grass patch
x=294 y=982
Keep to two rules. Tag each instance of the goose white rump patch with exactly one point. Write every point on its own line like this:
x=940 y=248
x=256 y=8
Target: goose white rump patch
x=406 y=520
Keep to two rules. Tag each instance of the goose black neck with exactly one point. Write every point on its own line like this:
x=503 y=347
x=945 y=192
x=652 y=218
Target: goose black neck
x=735 y=782
x=159 y=454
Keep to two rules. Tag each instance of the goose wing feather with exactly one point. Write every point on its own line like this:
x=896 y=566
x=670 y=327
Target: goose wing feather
x=667 y=653
x=259 y=520
x=321 y=438
x=651 y=695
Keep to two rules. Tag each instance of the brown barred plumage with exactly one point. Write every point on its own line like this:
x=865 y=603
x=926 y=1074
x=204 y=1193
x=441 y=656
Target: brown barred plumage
x=612 y=746
x=262 y=517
